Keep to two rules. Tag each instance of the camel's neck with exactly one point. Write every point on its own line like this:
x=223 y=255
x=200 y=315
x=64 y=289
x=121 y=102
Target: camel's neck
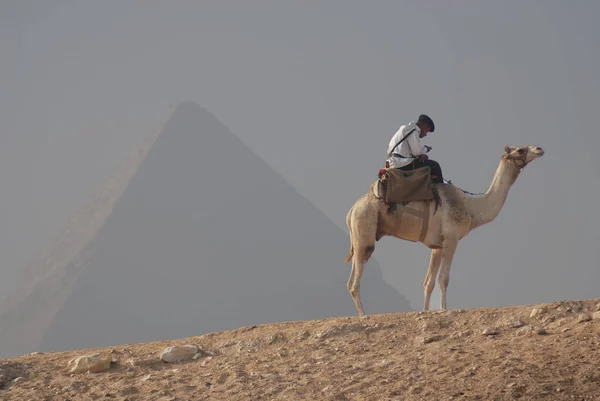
x=486 y=207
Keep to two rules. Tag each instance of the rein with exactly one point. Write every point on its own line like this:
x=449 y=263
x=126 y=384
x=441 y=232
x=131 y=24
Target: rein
x=520 y=158
x=521 y=167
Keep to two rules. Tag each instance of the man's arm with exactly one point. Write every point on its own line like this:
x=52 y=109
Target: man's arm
x=395 y=138
x=415 y=144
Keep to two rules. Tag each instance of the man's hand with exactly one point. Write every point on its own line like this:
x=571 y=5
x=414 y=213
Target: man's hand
x=428 y=149
x=424 y=157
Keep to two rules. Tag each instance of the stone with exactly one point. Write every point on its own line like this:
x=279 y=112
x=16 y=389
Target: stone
x=514 y=323
x=529 y=329
x=463 y=334
x=490 y=331
x=429 y=339
x=577 y=307
x=559 y=323
x=93 y=363
x=145 y=362
x=584 y=317
x=596 y=315
x=275 y=338
x=179 y=353
x=547 y=319
x=302 y=335
x=536 y=312
x=206 y=360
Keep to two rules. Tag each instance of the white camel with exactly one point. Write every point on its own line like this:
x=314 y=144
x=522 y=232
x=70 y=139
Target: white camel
x=458 y=214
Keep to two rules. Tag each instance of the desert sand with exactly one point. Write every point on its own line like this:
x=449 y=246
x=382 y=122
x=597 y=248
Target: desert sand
x=531 y=352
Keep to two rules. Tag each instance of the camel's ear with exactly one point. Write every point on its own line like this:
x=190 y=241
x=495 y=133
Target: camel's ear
x=508 y=152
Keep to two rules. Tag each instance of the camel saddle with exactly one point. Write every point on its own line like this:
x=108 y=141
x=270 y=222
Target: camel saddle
x=401 y=186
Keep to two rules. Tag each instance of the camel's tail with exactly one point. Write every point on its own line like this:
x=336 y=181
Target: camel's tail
x=351 y=252
x=349 y=224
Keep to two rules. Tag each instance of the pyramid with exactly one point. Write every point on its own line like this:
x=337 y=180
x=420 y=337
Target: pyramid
x=195 y=234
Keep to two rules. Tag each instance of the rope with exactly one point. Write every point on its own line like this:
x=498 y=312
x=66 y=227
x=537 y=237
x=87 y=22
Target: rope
x=467 y=192
x=520 y=167
x=482 y=193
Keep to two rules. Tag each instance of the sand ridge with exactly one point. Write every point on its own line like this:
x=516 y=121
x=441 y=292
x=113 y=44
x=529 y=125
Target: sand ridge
x=531 y=352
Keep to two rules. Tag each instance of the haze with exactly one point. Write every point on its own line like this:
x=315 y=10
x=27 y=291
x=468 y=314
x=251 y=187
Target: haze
x=317 y=89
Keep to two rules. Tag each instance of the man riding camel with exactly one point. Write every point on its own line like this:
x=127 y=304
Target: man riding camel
x=405 y=151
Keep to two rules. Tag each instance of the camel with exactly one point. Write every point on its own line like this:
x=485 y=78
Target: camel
x=459 y=213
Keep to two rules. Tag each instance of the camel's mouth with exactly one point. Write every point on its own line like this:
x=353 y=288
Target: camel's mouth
x=538 y=152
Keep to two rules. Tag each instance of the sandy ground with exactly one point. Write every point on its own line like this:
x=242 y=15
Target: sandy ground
x=536 y=352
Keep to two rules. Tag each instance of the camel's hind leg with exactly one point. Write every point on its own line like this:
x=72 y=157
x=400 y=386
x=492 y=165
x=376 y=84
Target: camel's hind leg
x=361 y=256
x=362 y=225
x=448 y=249
x=429 y=284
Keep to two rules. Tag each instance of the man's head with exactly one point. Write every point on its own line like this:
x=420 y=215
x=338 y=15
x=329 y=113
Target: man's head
x=425 y=124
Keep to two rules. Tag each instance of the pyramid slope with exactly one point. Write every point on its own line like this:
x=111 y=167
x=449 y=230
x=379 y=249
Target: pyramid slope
x=206 y=237
x=46 y=283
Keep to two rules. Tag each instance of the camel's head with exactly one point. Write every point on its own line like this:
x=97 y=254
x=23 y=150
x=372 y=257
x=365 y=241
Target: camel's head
x=522 y=155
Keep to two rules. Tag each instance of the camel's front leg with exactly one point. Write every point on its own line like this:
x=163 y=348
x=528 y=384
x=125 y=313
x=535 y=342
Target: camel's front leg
x=361 y=256
x=434 y=266
x=448 y=249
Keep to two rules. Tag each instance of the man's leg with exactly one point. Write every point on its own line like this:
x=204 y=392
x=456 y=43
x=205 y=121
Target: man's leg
x=411 y=166
x=436 y=169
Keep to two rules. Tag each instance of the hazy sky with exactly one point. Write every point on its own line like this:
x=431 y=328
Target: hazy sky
x=318 y=89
